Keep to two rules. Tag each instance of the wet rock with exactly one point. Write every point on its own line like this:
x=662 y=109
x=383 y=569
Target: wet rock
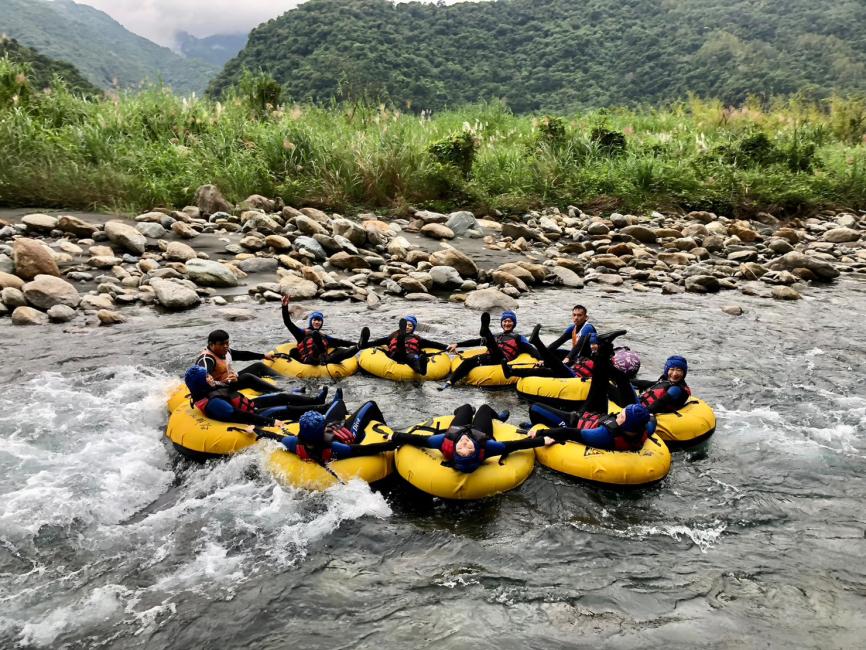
x=641 y=233
x=607 y=261
x=61 y=314
x=298 y=288
x=520 y=272
x=179 y=252
x=173 y=295
x=752 y=270
x=780 y=246
x=104 y=261
x=430 y=217
x=258 y=265
x=345 y=261
x=464 y=264
x=488 y=300
x=795 y=260
x=733 y=310
x=68 y=247
x=208 y=199
x=517 y=230
x=460 y=222
x=437 y=231
x=350 y=230
x=399 y=247
x=126 y=237
x=9 y=280
x=669 y=288
x=310 y=227
x=253 y=243
x=151 y=230
x=311 y=246
x=702 y=284
x=785 y=293
x=743 y=256
x=28 y=316
x=445 y=276
x=597 y=228
x=567 y=277
x=278 y=242
x=667 y=233
x=373 y=300
x=12 y=297
x=96 y=302
x=47 y=290
x=108 y=317
x=607 y=279
x=40 y=223
x=33 y=258
x=788 y=234
x=503 y=279
x=392 y=287
x=411 y=285
x=76 y=226
x=841 y=235
x=208 y=273
x=235 y=315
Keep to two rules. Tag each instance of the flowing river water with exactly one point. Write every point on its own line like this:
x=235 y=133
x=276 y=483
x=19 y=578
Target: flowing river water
x=109 y=539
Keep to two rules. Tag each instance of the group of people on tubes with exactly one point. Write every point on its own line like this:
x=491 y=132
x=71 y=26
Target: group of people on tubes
x=327 y=432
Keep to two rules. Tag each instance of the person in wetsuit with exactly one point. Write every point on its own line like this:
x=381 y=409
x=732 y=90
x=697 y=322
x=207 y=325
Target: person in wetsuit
x=581 y=333
x=670 y=392
x=315 y=348
x=217 y=359
x=469 y=440
x=501 y=348
x=225 y=404
x=592 y=425
x=404 y=345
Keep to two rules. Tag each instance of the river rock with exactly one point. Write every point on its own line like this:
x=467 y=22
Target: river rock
x=184 y=230
x=350 y=230
x=177 y=251
x=96 y=302
x=104 y=261
x=12 y=297
x=517 y=230
x=520 y=272
x=378 y=232
x=208 y=199
x=795 y=260
x=233 y=315
x=6 y=264
x=33 y=258
x=278 y=242
x=780 y=246
x=460 y=222
x=343 y=260
x=702 y=284
x=743 y=256
x=252 y=243
x=597 y=228
x=399 y=247
x=641 y=233
x=743 y=230
x=258 y=202
x=568 y=277
x=445 y=276
x=503 y=278
x=669 y=288
x=733 y=310
x=109 y=317
x=298 y=288
x=430 y=217
x=316 y=215
x=411 y=285
x=676 y=259
x=456 y=259
x=9 y=280
x=76 y=226
x=151 y=230
x=437 y=231
x=308 y=226
x=173 y=295
x=488 y=300
x=61 y=314
x=68 y=247
x=841 y=235
x=311 y=246
x=28 y=316
x=47 y=290
x=126 y=236
x=783 y=292
x=39 y=222
x=701 y=216
x=258 y=265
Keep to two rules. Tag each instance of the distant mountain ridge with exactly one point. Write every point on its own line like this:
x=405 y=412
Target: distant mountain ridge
x=43 y=69
x=214 y=50
x=103 y=50
x=554 y=55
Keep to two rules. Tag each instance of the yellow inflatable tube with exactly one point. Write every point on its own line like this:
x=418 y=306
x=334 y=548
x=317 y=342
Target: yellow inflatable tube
x=294 y=368
x=621 y=468
x=693 y=423
x=290 y=470
x=179 y=394
x=559 y=392
x=423 y=467
x=376 y=362
x=490 y=376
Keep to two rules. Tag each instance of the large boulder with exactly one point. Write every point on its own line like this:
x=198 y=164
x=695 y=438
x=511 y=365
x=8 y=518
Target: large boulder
x=311 y=246
x=33 y=258
x=445 y=276
x=488 y=300
x=298 y=288
x=568 y=277
x=61 y=313
x=837 y=235
x=437 y=231
x=350 y=230
x=208 y=273
x=39 y=222
x=518 y=230
x=76 y=226
x=797 y=260
x=343 y=260
x=47 y=290
x=309 y=226
x=456 y=259
x=173 y=295
x=209 y=200
x=126 y=236
x=702 y=284
x=177 y=251
x=151 y=229
x=28 y=316
x=641 y=233
x=460 y=222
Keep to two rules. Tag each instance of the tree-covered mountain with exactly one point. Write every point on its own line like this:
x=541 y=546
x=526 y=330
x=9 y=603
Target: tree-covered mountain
x=215 y=50
x=103 y=50
x=43 y=69
x=558 y=54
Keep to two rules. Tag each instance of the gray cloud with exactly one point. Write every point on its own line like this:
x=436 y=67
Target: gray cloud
x=158 y=20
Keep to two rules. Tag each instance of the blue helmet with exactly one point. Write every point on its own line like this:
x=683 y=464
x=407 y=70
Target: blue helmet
x=508 y=314
x=312 y=429
x=316 y=315
x=636 y=417
x=411 y=319
x=676 y=361
x=196 y=381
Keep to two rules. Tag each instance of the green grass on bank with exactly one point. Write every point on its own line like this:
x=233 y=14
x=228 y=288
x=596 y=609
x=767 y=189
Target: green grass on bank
x=135 y=151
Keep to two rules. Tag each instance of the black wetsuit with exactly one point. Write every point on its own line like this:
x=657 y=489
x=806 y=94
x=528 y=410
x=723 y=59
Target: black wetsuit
x=493 y=356
x=329 y=348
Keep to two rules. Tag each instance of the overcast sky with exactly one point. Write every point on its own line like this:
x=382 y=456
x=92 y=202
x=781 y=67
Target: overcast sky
x=158 y=20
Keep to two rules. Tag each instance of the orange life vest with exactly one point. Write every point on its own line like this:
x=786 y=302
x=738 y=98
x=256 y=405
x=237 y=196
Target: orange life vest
x=222 y=368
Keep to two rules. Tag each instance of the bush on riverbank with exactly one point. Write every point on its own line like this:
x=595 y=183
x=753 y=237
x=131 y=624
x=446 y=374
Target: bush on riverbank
x=155 y=148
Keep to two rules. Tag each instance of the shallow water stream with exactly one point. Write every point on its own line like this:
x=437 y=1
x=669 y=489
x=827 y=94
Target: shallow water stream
x=108 y=539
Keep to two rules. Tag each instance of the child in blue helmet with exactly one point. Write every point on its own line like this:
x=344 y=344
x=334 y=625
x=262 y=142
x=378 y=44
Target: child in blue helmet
x=315 y=348
x=404 y=345
x=592 y=425
x=468 y=442
x=501 y=349
x=670 y=392
x=227 y=405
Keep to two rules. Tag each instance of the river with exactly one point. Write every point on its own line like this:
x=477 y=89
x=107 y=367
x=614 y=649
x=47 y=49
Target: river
x=109 y=540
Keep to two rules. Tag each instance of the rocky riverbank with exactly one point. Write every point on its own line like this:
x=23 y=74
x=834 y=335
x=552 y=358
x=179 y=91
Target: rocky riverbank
x=56 y=268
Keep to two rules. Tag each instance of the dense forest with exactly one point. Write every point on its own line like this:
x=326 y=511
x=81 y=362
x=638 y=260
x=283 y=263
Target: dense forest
x=557 y=55
x=42 y=70
x=106 y=53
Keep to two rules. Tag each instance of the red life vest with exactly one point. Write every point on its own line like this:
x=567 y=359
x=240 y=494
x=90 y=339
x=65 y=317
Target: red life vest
x=239 y=401
x=658 y=390
x=583 y=368
x=454 y=434
x=509 y=343
x=308 y=352
x=303 y=454
x=411 y=343
x=621 y=442
x=221 y=367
